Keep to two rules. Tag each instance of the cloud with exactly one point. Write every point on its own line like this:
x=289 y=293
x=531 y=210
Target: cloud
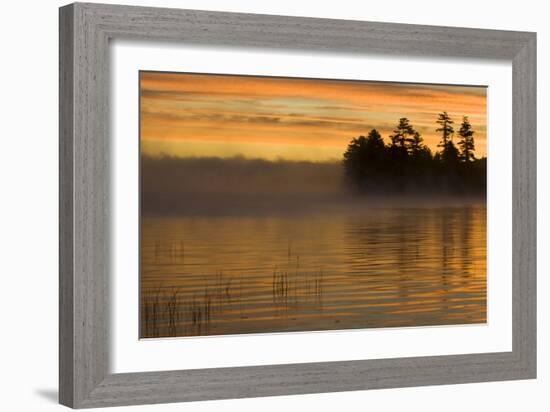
x=269 y=110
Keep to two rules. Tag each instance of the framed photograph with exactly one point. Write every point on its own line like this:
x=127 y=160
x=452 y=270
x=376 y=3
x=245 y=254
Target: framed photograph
x=257 y=205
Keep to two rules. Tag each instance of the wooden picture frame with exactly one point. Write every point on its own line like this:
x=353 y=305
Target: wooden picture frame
x=85 y=31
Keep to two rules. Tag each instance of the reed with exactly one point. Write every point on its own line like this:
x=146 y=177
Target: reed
x=173 y=252
x=172 y=307
x=168 y=313
x=280 y=286
x=299 y=287
x=151 y=308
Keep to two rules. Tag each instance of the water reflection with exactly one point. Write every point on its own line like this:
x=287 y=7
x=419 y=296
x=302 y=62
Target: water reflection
x=384 y=267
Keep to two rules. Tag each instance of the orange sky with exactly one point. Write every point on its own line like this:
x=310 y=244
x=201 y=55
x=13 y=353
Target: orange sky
x=295 y=119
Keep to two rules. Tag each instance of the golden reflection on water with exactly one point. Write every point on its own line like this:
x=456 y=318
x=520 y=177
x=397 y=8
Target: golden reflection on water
x=386 y=267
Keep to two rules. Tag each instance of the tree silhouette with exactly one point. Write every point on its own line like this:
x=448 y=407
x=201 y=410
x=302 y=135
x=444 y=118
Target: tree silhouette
x=407 y=164
x=366 y=158
x=466 y=142
x=449 y=154
x=402 y=133
x=420 y=158
x=355 y=157
x=375 y=143
x=446 y=128
x=416 y=144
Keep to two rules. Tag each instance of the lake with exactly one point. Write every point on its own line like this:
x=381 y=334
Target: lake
x=369 y=268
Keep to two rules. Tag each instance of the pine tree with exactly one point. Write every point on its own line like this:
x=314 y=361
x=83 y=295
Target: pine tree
x=365 y=156
x=466 y=142
x=375 y=142
x=450 y=154
x=354 y=158
x=416 y=144
x=446 y=128
x=402 y=133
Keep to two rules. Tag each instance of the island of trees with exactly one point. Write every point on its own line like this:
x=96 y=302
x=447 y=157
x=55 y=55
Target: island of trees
x=407 y=165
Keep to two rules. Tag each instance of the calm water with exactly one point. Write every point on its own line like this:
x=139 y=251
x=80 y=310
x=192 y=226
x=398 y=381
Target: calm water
x=384 y=267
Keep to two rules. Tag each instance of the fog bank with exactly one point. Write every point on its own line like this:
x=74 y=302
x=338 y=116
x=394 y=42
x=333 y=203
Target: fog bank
x=190 y=186
x=211 y=186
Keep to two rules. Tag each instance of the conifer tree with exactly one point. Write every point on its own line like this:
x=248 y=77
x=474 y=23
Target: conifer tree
x=365 y=156
x=446 y=128
x=375 y=142
x=402 y=133
x=449 y=154
x=466 y=142
x=415 y=143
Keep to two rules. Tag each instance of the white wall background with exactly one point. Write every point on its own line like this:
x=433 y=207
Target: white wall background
x=29 y=191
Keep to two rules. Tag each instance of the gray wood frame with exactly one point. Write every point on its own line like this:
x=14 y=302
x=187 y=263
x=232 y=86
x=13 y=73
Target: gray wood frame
x=85 y=31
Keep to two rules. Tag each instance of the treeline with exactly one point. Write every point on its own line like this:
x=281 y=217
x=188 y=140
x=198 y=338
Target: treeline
x=407 y=165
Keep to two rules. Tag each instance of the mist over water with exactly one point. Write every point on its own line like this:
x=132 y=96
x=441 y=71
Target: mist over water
x=216 y=186
x=236 y=245
x=172 y=186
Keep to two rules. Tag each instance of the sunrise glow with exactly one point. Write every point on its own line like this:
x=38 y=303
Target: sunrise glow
x=195 y=115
